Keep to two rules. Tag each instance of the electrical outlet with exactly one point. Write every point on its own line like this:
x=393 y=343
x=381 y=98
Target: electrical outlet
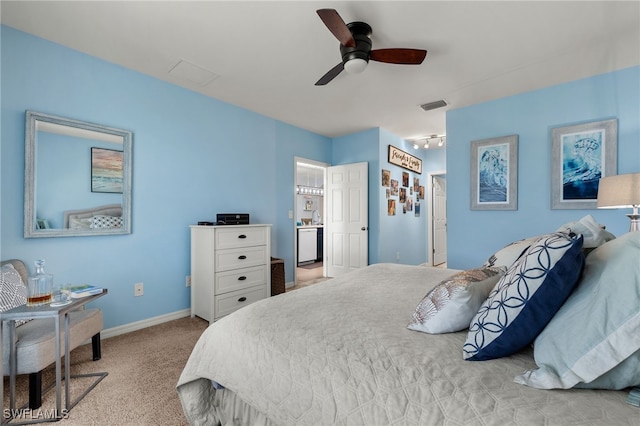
x=290 y=214
x=187 y=280
x=398 y=256
x=138 y=289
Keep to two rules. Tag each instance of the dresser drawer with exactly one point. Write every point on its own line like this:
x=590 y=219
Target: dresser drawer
x=229 y=302
x=240 y=258
x=238 y=279
x=233 y=237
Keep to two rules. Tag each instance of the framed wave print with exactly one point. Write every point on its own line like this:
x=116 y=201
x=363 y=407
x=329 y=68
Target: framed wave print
x=580 y=155
x=494 y=173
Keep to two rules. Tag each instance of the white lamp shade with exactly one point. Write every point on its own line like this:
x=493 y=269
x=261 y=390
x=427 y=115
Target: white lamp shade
x=355 y=65
x=619 y=191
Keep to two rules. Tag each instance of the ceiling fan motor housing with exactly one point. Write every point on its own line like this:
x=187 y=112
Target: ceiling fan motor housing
x=361 y=32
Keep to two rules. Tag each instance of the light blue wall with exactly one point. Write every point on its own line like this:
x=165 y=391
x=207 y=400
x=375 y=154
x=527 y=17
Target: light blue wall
x=474 y=235
x=193 y=157
x=403 y=233
x=388 y=235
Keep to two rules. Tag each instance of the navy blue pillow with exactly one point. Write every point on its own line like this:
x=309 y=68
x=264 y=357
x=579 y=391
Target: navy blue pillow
x=526 y=298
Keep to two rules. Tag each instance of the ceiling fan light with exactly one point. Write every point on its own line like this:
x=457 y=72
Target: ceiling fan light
x=355 y=65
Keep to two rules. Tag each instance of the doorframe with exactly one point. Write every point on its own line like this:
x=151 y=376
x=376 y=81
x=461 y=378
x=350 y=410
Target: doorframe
x=430 y=226
x=296 y=161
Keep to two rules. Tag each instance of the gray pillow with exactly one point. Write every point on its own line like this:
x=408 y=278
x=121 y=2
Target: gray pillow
x=593 y=340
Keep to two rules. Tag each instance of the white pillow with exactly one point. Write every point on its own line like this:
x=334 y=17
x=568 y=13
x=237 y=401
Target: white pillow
x=451 y=305
x=594 y=339
x=507 y=255
x=593 y=233
x=75 y=223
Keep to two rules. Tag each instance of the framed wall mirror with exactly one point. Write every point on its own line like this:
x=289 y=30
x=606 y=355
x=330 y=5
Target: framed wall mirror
x=77 y=178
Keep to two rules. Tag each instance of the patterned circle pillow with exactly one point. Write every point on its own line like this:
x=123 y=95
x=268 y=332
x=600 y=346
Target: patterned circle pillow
x=526 y=298
x=451 y=305
x=106 y=222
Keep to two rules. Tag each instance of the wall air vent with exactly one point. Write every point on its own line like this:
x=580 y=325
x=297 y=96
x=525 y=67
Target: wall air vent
x=433 y=105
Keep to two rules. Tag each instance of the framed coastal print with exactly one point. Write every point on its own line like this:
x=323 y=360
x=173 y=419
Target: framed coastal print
x=106 y=170
x=494 y=173
x=580 y=156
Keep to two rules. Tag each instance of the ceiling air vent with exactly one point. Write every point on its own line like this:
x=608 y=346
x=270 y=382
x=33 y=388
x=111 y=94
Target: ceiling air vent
x=433 y=105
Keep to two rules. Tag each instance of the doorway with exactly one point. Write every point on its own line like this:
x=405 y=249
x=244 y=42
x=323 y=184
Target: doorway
x=309 y=251
x=437 y=218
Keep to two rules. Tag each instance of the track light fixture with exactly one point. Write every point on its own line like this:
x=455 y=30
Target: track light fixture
x=433 y=139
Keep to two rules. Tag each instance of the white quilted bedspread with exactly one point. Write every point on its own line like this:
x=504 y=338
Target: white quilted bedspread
x=340 y=353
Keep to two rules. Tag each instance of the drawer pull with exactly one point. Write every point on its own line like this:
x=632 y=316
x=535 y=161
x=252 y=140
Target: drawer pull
x=242 y=278
x=242 y=299
x=242 y=257
x=242 y=236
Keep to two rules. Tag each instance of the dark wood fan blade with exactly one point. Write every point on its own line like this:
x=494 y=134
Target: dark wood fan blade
x=333 y=73
x=399 y=56
x=336 y=25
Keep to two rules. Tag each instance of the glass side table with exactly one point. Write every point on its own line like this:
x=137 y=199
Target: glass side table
x=60 y=315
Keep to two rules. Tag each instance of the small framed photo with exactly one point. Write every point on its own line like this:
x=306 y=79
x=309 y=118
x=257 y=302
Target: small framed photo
x=386 y=177
x=494 y=173
x=580 y=156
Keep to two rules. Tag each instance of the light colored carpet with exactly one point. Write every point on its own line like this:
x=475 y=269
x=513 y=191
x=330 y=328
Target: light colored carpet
x=143 y=368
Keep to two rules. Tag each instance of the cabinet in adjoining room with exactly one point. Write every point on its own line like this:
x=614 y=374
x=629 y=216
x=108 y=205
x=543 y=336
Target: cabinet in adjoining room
x=230 y=268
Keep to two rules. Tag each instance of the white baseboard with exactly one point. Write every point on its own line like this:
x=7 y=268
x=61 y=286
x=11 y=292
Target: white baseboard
x=138 y=325
x=289 y=284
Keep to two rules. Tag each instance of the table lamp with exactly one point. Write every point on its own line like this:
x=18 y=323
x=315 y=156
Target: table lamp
x=620 y=191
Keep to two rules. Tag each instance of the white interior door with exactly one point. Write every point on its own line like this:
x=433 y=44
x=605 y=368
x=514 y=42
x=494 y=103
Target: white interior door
x=346 y=221
x=439 y=187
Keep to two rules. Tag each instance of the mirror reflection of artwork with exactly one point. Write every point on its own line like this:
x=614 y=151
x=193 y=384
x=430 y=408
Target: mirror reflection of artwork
x=106 y=170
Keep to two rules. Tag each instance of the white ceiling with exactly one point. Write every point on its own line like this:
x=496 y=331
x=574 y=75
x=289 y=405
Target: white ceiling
x=268 y=55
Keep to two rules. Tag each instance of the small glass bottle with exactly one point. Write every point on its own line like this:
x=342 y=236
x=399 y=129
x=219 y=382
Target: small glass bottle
x=39 y=286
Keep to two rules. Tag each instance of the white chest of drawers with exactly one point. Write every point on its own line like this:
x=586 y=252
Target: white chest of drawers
x=230 y=268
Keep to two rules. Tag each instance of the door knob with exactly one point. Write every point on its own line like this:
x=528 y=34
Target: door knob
x=363 y=228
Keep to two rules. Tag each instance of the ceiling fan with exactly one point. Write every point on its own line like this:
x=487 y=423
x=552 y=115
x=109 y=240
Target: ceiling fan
x=355 y=47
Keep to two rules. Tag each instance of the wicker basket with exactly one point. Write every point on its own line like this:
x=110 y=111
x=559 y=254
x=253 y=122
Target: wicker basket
x=277 y=276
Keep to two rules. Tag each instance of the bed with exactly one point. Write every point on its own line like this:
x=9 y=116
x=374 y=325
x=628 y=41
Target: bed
x=99 y=217
x=351 y=351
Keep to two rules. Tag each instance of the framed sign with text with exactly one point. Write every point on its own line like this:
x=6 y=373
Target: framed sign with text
x=404 y=159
